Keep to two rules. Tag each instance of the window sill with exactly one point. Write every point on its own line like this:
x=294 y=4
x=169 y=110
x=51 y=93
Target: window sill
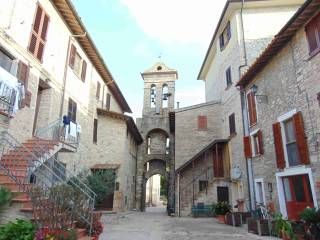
x=257 y=156
x=202 y=129
x=313 y=54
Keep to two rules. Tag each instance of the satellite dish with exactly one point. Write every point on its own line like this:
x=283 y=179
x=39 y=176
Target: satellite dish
x=236 y=173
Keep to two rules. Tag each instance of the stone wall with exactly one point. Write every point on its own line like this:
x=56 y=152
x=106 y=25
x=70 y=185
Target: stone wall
x=291 y=82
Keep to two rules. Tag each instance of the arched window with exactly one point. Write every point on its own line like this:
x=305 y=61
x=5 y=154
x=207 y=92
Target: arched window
x=153 y=96
x=165 y=95
x=167 y=146
x=148 y=145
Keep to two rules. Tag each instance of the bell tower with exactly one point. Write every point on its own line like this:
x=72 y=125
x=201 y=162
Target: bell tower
x=159 y=88
x=156 y=153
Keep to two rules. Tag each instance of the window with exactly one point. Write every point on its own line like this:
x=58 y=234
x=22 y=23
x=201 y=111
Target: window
x=39 y=33
x=98 y=90
x=260 y=198
x=95 y=130
x=203 y=184
x=72 y=110
x=255 y=144
x=202 y=122
x=225 y=37
x=228 y=77
x=167 y=146
x=313 y=34
x=223 y=194
x=6 y=60
x=153 y=96
x=318 y=98
x=117 y=186
x=252 y=109
x=108 y=101
x=149 y=145
x=291 y=143
x=165 y=95
x=77 y=64
x=232 y=124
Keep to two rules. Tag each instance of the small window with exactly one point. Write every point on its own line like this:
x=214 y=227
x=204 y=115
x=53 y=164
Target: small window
x=203 y=184
x=6 y=60
x=225 y=36
x=98 y=90
x=117 y=186
x=291 y=142
x=108 y=101
x=259 y=192
x=95 y=130
x=313 y=34
x=202 y=122
x=232 y=124
x=149 y=145
x=165 y=96
x=153 y=96
x=318 y=98
x=77 y=64
x=228 y=77
x=72 y=110
x=168 y=146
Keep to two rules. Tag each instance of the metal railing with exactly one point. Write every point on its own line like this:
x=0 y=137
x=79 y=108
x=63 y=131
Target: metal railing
x=47 y=184
x=57 y=131
x=7 y=99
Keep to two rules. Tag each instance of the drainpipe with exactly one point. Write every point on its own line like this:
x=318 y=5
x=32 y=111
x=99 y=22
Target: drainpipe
x=66 y=71
x=245 y=121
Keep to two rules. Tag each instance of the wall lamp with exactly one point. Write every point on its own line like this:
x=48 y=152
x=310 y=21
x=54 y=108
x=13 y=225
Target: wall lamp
x=254 y=89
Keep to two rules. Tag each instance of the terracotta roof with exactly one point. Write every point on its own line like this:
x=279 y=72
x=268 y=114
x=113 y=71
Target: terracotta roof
x=302 y=16
x=210 y=145
x=71 y=18
x=132 y=127
x=105 y=166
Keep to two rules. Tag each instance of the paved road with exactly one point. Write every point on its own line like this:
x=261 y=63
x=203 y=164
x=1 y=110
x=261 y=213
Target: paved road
x=156 y=225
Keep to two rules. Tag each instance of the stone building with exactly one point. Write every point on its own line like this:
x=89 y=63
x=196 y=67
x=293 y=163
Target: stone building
x=283 y=111
x=156 y=153
x=243 y=31
x=45 y=48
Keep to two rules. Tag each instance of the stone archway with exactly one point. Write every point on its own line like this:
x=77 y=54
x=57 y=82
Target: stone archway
x=156 y=167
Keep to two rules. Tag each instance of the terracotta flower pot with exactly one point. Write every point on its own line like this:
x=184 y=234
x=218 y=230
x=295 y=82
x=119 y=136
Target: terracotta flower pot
x=221 y=218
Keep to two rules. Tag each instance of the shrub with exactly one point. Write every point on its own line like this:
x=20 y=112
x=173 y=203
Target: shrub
x=310 y=216
x=5 y=196
x=222 y=208
x=283 y=226
x=102 y=183
x=19 y=230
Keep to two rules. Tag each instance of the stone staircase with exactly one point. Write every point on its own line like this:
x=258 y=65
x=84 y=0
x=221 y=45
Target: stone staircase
x=22 y=165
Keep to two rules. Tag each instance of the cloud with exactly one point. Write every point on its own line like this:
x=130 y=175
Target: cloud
x=182 y=21
x=188 y=97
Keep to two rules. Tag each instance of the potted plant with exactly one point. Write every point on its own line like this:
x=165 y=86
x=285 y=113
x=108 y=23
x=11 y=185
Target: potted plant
x=221 y=209
x=311 y=221
x=283 y=227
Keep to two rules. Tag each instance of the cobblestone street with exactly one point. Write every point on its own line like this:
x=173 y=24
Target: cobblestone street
x=156 y=225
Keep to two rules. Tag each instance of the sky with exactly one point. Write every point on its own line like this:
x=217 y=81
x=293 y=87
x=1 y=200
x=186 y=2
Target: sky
x=131 y=34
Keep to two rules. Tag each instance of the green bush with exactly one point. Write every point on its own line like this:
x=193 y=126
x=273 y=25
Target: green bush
x=5 y=196
x=102 y=183
x=19 y=230
x=310 y=216
x=222 y=208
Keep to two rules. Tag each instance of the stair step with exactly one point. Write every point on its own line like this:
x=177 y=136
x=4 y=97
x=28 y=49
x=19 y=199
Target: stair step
x=14 y=186
x=20 y=199
x=26 y=209
x=86 y=238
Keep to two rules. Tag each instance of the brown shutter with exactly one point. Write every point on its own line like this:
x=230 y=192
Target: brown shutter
x=232 y=124
x=301 y=138
x=247 y=146
x=83 y=70
x=39 y=33
x=23 y=74
x=281 y=163
x=72 y=56
x=27 y=99
x=252 y=108
x=108 y=101
x=260 y=140
x=202 y=122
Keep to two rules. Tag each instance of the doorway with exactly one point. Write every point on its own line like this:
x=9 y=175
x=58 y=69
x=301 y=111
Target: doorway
x=298 y=194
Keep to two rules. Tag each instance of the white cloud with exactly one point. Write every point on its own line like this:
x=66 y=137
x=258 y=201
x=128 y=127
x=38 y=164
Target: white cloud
x=184 y=21
x=188 y=97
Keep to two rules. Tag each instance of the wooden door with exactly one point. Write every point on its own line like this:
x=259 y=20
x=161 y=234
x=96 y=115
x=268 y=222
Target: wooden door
x=223 y=194
x=298 y=195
